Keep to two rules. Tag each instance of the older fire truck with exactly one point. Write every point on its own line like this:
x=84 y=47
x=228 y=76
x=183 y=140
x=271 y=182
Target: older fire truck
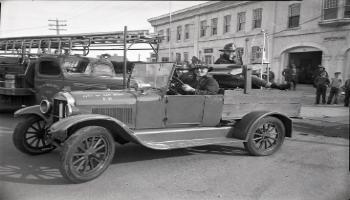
x=35 y=68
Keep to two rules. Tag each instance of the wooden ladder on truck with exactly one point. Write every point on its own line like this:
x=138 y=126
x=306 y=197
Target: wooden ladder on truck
x=75 y=43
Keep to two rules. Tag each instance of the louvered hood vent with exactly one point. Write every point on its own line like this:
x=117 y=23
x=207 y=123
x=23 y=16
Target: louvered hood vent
x=123 y=113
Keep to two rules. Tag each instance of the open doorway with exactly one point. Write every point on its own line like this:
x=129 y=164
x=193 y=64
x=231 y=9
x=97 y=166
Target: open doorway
x=306 y=63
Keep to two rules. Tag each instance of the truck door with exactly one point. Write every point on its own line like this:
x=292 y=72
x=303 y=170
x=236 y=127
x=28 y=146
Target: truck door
x=48 y=78
x=184 y=110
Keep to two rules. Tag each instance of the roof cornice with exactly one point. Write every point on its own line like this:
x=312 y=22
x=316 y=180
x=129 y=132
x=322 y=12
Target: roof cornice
x=204 y=8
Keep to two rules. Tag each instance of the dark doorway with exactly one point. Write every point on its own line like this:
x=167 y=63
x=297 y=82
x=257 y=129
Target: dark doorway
x=306 y=63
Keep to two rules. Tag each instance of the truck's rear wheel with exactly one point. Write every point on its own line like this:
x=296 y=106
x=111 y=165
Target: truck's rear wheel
x=30 y=136
x=87 y=154
x=265 y=137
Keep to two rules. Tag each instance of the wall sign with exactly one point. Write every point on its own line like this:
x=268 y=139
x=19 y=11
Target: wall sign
x=208 y=50
x=334 y=38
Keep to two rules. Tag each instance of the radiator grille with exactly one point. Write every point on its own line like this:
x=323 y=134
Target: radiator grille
x=59 y=109
x=123 y=114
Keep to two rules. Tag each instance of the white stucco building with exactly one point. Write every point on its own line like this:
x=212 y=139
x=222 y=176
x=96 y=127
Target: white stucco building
x=306 y=33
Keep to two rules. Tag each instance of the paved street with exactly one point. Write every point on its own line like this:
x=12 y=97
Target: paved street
x=311 y=165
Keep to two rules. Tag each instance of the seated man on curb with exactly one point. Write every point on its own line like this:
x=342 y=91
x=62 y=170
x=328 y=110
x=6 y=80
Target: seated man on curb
x=201 y=83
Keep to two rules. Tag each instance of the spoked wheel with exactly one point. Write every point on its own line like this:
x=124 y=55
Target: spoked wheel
x=87 y=154
x=265 y=137
x=30 y=136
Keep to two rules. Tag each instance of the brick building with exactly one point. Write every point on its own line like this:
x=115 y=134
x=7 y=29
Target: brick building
x=306 y=33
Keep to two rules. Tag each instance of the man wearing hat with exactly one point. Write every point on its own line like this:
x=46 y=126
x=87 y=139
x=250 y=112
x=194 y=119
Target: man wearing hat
x=237 y=80
x=201 y=83
x=335 y=87
x=228 y=56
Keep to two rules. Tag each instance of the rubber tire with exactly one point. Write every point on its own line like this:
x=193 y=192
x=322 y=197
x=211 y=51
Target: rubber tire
x=249 y=145
x=73 y=142
x=19 y=135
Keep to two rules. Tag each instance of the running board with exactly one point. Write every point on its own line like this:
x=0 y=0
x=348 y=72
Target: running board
x=174 y=138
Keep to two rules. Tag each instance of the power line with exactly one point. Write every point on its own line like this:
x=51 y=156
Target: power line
x=57 y=25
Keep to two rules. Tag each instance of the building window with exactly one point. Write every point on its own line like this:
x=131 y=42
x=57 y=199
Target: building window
x=214 y=26
x=168 y=34
x=257 y=16
x=187 y=31
x=227 y=23
x=208 y=59
x=347 y=9
x=161 y=34
x=203 y=28
x=186 y=56
x=256 y=54
x=178 y=57
x=293 y=15
x=241 y=21
x=165 y=59
x=330 y=9
x=178 y=32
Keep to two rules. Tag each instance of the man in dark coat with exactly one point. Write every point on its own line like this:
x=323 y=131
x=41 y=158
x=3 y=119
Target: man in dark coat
x=202 y=83
x=290 y=75
x=229 y=56
x=321 y=84
x=347 y=92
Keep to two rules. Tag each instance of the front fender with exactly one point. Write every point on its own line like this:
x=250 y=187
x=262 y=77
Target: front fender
x=242 y=128
x=62 y=129
x=31 y=110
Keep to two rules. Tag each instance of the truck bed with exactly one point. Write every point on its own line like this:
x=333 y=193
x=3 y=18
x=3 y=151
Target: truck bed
x=237 y=104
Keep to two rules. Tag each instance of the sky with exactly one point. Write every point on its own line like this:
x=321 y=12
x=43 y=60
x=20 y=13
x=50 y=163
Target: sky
x=25 y=18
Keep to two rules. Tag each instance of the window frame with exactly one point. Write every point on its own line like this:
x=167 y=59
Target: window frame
x=203 y=28
x=257 y=18
x=292 y=16
x=53 y=64
x=178 y=32
x=227 y=23
x=186 y=56
x=330 y=6
x=187 y=32
x=214 y=26
x=168 y=34
x=241 y=23
x=346 y=9
x=178 y=57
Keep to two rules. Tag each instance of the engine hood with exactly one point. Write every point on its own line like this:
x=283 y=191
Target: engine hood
x=105 y=97
x=96 y=82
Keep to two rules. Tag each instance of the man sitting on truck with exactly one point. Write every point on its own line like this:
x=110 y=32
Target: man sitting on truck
x=229 y=56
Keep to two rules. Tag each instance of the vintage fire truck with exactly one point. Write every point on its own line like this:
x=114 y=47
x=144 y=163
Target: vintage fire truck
x=36 y=67
x=85 y=125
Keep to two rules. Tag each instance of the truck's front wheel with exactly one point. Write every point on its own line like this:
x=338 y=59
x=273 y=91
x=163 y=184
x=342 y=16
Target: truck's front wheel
x=30 y=136
x=266 y=136
x=87 y=154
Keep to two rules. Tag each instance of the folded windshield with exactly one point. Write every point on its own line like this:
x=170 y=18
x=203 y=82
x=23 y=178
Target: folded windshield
x=154 y=75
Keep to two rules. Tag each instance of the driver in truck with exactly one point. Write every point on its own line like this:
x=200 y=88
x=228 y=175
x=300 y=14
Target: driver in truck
x=201 y=83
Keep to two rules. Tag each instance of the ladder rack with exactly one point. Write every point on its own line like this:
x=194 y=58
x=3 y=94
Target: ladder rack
x=85 y=42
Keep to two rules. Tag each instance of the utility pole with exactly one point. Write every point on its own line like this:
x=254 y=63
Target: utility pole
x=58 y=24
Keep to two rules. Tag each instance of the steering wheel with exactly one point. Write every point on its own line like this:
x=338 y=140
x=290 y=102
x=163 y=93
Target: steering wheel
x=176 y=86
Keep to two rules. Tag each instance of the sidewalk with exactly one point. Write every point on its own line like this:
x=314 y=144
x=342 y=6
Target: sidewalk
x=322 y=118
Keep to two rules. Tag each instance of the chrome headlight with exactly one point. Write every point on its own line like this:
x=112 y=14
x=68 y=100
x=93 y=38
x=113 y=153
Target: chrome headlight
x=45 y=106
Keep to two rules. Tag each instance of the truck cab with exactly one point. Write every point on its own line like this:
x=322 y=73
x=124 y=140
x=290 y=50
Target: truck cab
x=41 y=78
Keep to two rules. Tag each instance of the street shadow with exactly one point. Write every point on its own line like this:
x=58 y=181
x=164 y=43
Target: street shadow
x=134 y=153
x=41 y=169
x=220 y=150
